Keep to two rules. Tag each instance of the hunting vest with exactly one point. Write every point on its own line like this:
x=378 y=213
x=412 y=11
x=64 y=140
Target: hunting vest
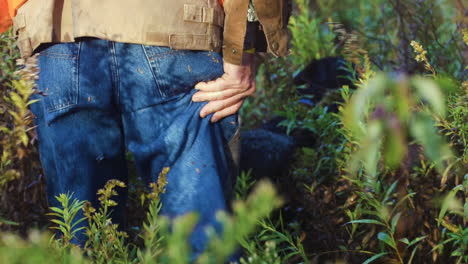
x=179 y=24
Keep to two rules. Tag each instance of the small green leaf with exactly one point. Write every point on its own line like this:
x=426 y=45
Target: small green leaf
x=429 y=91
x=366 y=221
x=423 y=130
x=446 y=203
x=32 y=101
x=375 y=257
x=416 y=240
x=7 y=222
x=382 y=236
x=390 y=190
x=413 y=252
x=77 y=222
x=5 y=129
x=58 y=222
x=404 y=240
x=394 y=143
x=395 y=221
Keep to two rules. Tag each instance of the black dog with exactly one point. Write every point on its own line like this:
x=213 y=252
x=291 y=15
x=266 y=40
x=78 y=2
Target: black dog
x=269 y=151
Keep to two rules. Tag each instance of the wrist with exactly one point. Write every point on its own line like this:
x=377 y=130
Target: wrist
x=248 y=58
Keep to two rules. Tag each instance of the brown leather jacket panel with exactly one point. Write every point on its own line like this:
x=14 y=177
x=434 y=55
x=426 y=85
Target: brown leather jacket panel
x=272 y=15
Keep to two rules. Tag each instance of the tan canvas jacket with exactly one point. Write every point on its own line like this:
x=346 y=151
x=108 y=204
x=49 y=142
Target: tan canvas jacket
x=179 y=24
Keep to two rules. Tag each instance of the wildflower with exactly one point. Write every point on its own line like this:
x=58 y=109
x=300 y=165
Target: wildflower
x=465 y=35
x=88 y=209
x=421 y=56
x=108 y=191
x=160 y=186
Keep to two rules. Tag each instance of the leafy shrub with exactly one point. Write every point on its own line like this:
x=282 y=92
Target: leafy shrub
x=392 y=163
x=35 y=249
x=107 y=245
x=19 y=163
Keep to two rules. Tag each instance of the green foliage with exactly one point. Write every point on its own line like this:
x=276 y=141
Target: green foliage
x=385 y=29
x=151 y=232
x=455 y=235
x=19 y=164
x=105 y=242
x=268 y=256
x=290 y=242
x=164 y=240
x=455 y=125
x=246 y=216
x=380 y=119
x=8 y=56
x=244 y=184
x=274 y=85
x=384 y=113
x=35 y=249
x=65 y=218
x=270 y=235
x=310 y=38
x=14 y=136
x=388 y=161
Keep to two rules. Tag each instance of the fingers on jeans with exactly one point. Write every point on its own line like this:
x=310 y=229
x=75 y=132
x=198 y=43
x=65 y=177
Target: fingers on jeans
x=227 y=111
x=221 y=89
x=217 y=85
x=213 y=96
x=219 y=105
x=223 y=83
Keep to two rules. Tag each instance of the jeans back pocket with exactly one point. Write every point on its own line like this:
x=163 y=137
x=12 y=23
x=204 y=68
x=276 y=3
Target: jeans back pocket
x=58 y=77
x=177 y=71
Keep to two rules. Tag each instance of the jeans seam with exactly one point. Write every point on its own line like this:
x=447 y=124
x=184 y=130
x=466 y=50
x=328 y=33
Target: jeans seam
x=58 y=53
x=58 y=56
x=152 y=70
x=115 y=72
x=78 y=73
x=166 y=54
x=58 y=107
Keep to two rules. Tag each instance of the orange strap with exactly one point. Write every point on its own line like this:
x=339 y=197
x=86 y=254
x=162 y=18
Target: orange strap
x=221 y=2
x=8 y=10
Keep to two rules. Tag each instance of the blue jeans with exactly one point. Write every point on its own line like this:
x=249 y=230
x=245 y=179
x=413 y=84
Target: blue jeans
x=102 y=98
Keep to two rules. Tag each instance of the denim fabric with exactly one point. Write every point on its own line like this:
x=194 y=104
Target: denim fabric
x=103 y=98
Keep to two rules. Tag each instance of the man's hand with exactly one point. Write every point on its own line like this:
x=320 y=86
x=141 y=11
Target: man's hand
x=227 y=93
